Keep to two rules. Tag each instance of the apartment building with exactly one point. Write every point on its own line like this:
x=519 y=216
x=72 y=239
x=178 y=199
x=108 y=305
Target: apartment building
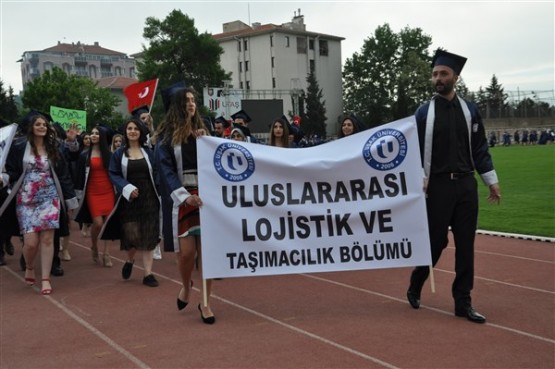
x=272 y=62
x=111 y=69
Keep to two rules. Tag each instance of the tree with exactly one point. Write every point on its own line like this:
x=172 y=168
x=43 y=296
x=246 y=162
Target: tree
x=390 y=77
x=177 y=52
x=314 y=122
x=8 y=107
x=72 y=92
x=496 y=97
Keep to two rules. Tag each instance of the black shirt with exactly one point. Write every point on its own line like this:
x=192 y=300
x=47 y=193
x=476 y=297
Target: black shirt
x=450 y=150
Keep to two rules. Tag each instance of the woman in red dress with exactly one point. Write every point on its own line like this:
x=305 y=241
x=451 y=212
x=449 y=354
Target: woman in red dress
x=97 y=192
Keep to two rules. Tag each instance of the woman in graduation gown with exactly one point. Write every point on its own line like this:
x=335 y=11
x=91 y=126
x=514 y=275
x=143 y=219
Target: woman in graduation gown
x=176 y=160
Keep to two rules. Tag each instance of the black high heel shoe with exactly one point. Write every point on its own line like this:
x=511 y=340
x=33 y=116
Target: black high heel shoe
x=206 y=320
x=180 y=303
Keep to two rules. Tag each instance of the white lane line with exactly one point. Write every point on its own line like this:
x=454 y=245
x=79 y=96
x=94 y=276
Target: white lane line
x=322 y=339
x=502 y=282
x=90 y=328
x=514 y=257
x=358 y=289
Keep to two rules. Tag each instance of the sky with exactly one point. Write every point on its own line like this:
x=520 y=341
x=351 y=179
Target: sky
x=512 y=39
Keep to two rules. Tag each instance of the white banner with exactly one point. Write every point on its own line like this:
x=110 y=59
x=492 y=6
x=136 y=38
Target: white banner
x=353 y=203
x=6 y=136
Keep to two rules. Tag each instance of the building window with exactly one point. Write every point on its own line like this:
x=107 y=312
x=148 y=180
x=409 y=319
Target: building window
x=286 y=41
x=240 y=67
x=246 y=45
x=311 y=65
x=246 y=66
x=301 y=45
x=241 y=85
x=271 y=40
x=48 y=66
x=311 y=44
x=273 y=62
x=323 y=47
x=273 y=82
x=248 y=85
x=92 y=71
x=238 y=45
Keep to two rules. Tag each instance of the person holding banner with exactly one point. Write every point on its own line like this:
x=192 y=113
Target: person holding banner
x=279 y=132
x=42 y=190
x=176 y=160
x=453 y=145
x=97 y=192
x=350 y=124
x=135 y=219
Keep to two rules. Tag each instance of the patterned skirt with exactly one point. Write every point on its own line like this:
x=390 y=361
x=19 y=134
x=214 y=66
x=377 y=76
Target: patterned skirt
x=189 y=218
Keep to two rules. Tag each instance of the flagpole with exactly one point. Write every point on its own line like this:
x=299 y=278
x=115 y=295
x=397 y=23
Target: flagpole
x=432 y=280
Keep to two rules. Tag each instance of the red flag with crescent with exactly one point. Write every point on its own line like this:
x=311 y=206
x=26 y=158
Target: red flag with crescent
x=140 y=94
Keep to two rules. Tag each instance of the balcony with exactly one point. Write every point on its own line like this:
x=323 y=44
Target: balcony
x=105 y=61
x=80 y=60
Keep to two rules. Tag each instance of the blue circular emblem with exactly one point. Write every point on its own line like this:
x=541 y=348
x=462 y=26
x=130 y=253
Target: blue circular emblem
x=233 y=162
x=385 y=149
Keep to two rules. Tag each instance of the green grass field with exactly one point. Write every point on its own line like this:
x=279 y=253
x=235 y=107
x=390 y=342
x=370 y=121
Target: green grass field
x=527 y=180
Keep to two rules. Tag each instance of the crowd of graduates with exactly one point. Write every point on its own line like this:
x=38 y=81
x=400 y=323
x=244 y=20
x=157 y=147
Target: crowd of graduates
x=114 y=182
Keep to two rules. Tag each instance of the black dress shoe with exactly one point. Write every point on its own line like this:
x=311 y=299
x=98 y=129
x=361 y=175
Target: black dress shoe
x=414 y=299
x=150 y=281
x=127 y=269
x=57 y=271
x=206 y=320
x=470 y=314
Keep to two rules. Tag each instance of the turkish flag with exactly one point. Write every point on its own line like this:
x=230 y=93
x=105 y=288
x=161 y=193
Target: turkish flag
x=140 y=94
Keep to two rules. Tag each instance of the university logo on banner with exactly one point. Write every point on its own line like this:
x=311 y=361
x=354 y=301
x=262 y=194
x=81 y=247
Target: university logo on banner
x=140 y=94
x=6 y=137
x=350 y=204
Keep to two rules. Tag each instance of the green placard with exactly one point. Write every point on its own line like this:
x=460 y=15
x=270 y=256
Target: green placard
x=68 y=117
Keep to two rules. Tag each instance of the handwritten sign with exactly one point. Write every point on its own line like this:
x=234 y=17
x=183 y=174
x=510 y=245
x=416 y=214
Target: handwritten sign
x=69 y=117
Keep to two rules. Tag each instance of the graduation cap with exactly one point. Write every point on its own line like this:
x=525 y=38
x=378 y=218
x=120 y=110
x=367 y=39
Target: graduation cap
x=453 y=61
x=170 y=91
x=26 y=120
x=241 y=114
x=137 y=112
x=208 y=122
x=240 y=130
x=223 y=121
x=109 y=132
x=246 y=131
x=357 y=123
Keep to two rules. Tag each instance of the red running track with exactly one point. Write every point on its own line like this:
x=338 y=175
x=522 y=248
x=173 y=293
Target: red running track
x=359 y=319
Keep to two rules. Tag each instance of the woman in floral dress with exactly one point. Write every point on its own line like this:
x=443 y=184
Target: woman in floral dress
x=40 y=182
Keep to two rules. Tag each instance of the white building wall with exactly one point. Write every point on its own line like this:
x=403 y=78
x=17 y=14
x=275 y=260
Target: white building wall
x=290 y=70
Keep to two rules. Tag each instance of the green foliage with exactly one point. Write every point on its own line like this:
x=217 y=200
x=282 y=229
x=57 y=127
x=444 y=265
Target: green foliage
x=177 y=52
x=8 y=107
x=72 y=92
x=527 y=180
x=390 y=77
x=495 y=99
x=315 y=115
